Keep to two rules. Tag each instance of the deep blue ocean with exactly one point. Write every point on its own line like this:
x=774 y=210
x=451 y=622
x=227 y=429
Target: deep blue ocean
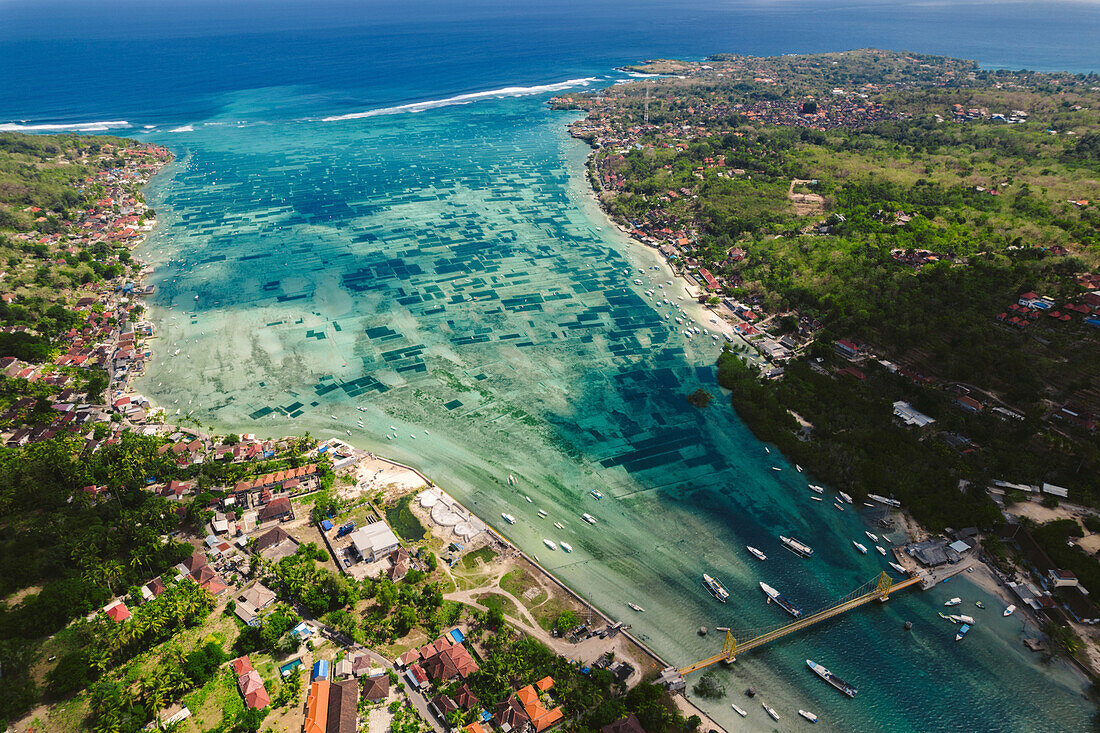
x=320 y=250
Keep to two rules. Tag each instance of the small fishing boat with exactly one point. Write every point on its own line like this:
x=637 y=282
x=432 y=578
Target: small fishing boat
x=559 y=525
x=979 y=604
x=636 y=607
x=738 y=710
x=817 y=489
x=756 y=553
x=862 y=549
x=808 y=715
x=508 y=518
x=511 y=479
x=550 y=544
x=962 y=632
x=847 y=499
x=588 y=518
x=816 y=498
x=566 y=546
x=1009 y=611
x=596 y=493
x=798 y=467
x=528 y=498
x=838 y=507
x=767 y=449
x=776 y=468
x=770 y=711
x=881 y=550
x=542 y=513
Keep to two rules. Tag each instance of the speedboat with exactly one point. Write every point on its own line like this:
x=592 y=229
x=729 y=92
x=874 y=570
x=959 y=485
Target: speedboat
x=770 y=711
x=566 y=546
x=528 y=498
x=953 y=602
x=862 y=549
x=847 y=499
x=1010 y=610
x=588 y=518
x=756 y=553
x=979 y=604
x=962 y=632
x=550 y=544
x=817 y=489
x=798 y=467
x=596 y=493
x=508 y=518
x=871 y=535
x=881 y=550
x=808 y=715
x=776 y=468
x=511 y=479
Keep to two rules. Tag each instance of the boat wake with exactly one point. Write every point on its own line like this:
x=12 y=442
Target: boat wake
x=464 y=99
x=74 y=126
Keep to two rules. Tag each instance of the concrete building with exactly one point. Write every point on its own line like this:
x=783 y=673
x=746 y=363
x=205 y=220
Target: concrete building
x=374 y=541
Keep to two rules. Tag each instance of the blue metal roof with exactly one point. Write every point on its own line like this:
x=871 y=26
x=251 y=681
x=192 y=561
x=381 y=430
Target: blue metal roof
x=320 y=669
x=326 y=525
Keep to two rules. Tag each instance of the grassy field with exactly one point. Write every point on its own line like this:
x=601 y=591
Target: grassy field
x=485 y=555
x=403 y=521
x=503 y=603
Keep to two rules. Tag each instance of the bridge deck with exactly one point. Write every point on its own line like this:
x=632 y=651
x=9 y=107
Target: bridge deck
x=802 y=623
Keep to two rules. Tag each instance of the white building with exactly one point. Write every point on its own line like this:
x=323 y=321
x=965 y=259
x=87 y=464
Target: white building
x=905 y=412
x=374 y=541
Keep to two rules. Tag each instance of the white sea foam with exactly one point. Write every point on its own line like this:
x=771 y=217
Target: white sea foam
x=465 y=99
x=74 y=126
x=184 y=128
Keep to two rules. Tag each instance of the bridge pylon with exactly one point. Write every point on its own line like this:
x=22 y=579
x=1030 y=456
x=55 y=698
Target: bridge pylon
x=729 y=647
x=882 y=587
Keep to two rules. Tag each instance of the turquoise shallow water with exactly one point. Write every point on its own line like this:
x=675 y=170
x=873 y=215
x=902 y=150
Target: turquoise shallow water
x=449 y=271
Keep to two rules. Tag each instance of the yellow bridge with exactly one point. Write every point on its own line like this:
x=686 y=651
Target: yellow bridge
x=878 y=589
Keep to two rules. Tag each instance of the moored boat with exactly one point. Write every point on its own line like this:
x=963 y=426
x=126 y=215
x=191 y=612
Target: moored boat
x=847 y=499
x=953 y=602
x=740 y=711
x=1009 y=610
x=881 y=550
x=871 y=536
x=831 y=678
x=596 y=493
x=511 y=479
x=588 y=518
x=774 y=595
x=962 y=632
x=566 y=546
x=508 y=518
x=636 y=607
x=559 y=525
x=899 y=568
x=816 y=498
x=715 y=587
x=550 y=544
x=817 y=489
x=979 y=604
x=808 y=715
x=770 y=711
x=862 y=549
x=756 y=553
x=542 y=513
x=797 y=546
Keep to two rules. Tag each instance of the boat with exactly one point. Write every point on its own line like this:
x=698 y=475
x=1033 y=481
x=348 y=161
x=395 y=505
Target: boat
x=715 y=588
x=511 y=479
x=817 y=489
x=566 y=546
x=596 y=493
x=831 y=678
x=816 y=498
x=776 y=468
x=808 y=715
x=797 y=546
x=838 y=507
x=509 y=518
x=979 y=604
x=774 y=595
x=550 y=544
x=871 y=536
x=542 y=513
x=767 y=449
x=962 y=632
x=862 y=548
x=636 y=607
x=881 y=550
x=348 y=432
x=559 y=525
x=1010 y=610
x=588 y=518
x=899 y=568
x=739 y=711
x=528 y=498
x=769 y=711
x=798 y=467
x=756 y=553
x=847 y=499
x=953 y=602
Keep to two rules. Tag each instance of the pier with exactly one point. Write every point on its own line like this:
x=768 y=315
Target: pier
x=879 y=589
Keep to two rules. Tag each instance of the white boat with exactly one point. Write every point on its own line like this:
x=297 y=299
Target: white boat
x=738 y=710
x=816 y=498
x=542 y=513
x=953 y=602
x=808 y=715
x=769 y=711
x=559 y=525
x=776 y=468
x=817 y=489
x=847 y=499
x=798 y=467
x=881 y=550
x=838 y=507
x=596 y=493
x=756 y=553
x=528 y=498
x=797 y=546
x=566 y=546
x=636 y=607
x=508 y=518
x=862 y=549
x=550 y=544
x=715 y=587
x=871 y=535
x=1010 y=610
x=511 y=479
x=899 y=568
x=588 y=518
x=767 y=449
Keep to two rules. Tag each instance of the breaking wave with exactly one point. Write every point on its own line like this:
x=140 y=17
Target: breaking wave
x=74 y=126
x=465 y=99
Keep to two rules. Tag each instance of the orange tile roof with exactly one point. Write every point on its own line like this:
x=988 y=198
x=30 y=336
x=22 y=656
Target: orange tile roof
x=545 y=683
x=474 y=728
x=317 y=707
